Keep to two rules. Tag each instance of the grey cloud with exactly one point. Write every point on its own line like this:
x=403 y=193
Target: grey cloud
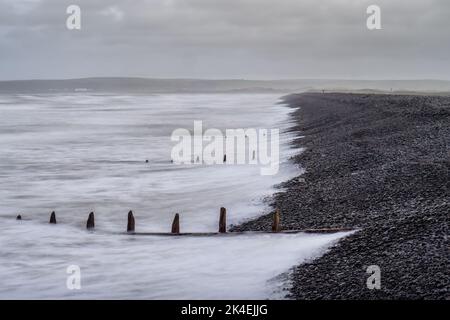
x=225 y=39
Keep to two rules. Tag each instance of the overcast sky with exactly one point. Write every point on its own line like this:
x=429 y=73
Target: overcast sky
x=251 y=39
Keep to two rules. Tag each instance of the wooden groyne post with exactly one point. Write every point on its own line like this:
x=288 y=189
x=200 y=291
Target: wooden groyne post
x=276 y=226
x=130 y=225
x=276 y=221
x=90 y=224
x=176 y=224
x=223 y=220
x=52 y=218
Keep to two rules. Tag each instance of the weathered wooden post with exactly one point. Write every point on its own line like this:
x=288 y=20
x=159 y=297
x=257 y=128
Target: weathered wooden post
x=130 y=225
x=224 y=158
x=19 y=217
x=176 y=224
x=276 y=221
x=90 y=221
x=53 y=217
x=223 y=220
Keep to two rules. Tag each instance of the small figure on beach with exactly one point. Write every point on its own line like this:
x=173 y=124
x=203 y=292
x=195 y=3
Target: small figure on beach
x=19 y=217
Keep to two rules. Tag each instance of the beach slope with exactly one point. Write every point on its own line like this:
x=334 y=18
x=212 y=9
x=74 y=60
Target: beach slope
x=378 y=163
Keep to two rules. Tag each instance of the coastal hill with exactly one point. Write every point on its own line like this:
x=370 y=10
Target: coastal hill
x=148 y=85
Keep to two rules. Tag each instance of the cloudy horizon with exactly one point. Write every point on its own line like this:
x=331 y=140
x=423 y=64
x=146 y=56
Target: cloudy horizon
x=232 y=39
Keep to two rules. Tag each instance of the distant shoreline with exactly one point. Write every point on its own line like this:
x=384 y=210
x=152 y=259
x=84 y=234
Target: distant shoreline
x=161 y=86
x=380 y=163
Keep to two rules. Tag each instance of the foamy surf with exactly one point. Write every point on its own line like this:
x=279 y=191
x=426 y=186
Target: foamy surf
x=127 y=267
x=81 y=153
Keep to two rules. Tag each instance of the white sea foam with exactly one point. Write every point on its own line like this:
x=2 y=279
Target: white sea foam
x=81 y=153
x=34 y=263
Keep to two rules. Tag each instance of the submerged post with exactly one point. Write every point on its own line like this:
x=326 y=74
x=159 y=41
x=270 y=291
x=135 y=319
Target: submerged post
x=276 y=221
x=130 y=225
x=176 y=224
x=223 y=220
x=53 y=217
x=90 y=224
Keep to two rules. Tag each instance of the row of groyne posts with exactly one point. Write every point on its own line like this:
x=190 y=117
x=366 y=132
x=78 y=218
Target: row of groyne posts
x=131 y=223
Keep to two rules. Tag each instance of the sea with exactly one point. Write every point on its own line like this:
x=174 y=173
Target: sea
x=76 y=153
